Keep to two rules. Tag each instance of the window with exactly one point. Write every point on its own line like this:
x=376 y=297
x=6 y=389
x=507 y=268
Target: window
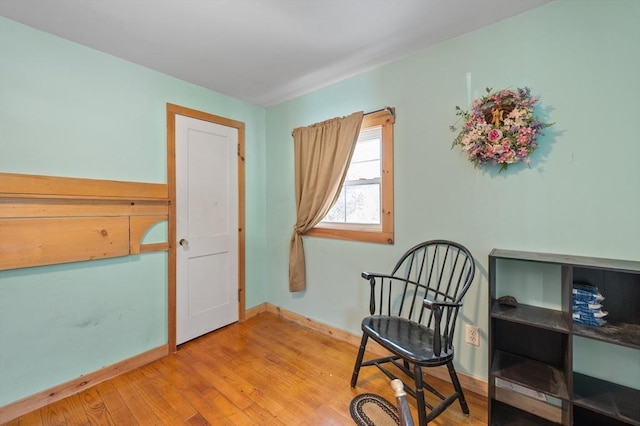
x=359 y=200
x=364 y=209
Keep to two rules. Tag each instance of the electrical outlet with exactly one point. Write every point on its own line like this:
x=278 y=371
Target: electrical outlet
x=471 y=335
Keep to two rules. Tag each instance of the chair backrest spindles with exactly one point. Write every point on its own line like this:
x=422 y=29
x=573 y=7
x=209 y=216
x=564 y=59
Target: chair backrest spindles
x=439 y=270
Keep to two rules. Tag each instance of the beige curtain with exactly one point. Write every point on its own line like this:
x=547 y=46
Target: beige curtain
x=322 y=154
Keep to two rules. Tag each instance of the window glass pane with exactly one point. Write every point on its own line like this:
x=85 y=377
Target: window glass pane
x=359 y=199
x=364 y=170
x=363 y=203
x=365 y=163
x=337 y=212
x=366 y=150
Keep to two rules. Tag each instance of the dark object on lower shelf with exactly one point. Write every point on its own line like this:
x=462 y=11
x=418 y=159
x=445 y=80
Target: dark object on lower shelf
x=508 y=301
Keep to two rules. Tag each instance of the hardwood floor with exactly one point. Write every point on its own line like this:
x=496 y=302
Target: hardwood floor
x=264 y=371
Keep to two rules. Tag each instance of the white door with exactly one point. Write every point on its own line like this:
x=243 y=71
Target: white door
x=206 y=227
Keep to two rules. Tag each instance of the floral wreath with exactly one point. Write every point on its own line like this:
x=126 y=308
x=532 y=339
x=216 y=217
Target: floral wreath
x=500 y=129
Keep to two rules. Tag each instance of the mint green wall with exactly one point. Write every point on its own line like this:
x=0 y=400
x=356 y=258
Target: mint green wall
x=67 y=110
x=580 y=196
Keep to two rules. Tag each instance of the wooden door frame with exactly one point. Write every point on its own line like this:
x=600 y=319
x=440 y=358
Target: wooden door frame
x=172 y=111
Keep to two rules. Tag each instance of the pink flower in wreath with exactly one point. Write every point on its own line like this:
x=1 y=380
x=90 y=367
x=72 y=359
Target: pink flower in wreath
x=525 y=135
x=494 y=135
x=507 y=157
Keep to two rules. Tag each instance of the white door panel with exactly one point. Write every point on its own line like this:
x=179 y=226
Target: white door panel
x=207 y=225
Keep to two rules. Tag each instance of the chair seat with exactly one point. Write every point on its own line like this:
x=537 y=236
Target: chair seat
x=405 y=338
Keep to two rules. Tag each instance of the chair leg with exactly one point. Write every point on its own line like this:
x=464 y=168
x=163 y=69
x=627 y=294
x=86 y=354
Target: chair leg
x=458 y=388
x=422 y=409
x=356 y=367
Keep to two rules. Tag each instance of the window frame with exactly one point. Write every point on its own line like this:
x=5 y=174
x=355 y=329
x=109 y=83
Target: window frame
x=383 y=233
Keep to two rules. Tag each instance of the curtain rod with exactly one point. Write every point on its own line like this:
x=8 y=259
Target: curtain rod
x=390 y=110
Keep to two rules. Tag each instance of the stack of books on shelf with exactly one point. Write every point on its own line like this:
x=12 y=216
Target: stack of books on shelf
x=587 y=306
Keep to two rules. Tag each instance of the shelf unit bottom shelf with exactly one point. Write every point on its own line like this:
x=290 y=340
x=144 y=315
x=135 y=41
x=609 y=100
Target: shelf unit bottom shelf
x=506 y=415
x=615 y=401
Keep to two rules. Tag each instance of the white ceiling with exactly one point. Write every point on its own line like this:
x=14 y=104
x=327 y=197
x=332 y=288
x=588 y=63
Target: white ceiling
x=261 y=51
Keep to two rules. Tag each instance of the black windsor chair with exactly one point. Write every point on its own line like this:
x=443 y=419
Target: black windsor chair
x=413 y=315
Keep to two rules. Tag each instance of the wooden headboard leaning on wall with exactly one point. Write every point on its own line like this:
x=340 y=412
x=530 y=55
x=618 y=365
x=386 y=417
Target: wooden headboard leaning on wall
x=45 y=220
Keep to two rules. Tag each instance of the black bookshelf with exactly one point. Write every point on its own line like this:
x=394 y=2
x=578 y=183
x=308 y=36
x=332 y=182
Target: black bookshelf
x=531 y=346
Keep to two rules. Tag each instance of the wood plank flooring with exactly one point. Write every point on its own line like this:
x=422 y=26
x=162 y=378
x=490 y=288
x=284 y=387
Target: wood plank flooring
x=264 y=371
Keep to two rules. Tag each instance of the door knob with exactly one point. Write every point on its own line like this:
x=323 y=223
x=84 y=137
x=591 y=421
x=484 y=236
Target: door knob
x=183 y=242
